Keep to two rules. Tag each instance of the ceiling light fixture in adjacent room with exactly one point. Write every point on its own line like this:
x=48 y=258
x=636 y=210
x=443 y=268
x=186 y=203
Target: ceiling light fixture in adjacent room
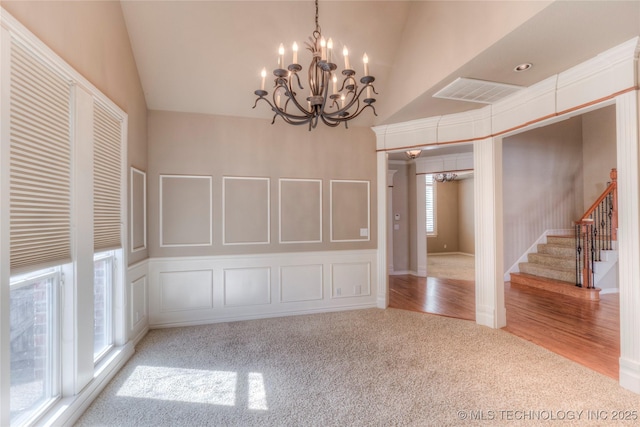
x=412 y=154
x=323 y=99
x=445 y=177
x=522 y=67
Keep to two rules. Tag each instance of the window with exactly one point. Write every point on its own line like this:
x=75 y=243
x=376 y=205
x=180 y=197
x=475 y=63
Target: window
x=58 y=125
x=35 y=332
x=430 y=198
x=104 y=264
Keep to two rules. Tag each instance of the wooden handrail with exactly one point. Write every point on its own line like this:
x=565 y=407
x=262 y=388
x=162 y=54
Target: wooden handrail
x=611 y=188
x=588 y=231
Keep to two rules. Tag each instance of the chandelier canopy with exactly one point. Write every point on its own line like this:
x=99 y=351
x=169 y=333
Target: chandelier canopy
x=326 y=100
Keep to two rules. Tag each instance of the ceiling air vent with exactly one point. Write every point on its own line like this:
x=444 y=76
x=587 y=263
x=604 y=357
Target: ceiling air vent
x=471 y=90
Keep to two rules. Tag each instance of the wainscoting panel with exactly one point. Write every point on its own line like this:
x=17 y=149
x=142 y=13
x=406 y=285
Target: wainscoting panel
x=137 y=293
x=186 y=290
x=198 y=290
x=246 y=286
x=350 y=279
x=301 y=283
x=138 y=298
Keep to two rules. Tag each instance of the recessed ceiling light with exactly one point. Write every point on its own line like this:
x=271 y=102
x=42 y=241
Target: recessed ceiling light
x=523 y=67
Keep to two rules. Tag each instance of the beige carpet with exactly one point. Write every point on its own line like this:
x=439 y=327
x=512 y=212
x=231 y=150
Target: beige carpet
x=357 y=368
x=451 y=266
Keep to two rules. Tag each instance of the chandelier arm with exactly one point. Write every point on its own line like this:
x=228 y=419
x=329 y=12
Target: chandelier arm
x=329 y=122
x=291 y=97
x=289 y=118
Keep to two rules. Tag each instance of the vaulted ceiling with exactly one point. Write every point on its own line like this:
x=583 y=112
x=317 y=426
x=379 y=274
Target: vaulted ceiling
x=206 y=56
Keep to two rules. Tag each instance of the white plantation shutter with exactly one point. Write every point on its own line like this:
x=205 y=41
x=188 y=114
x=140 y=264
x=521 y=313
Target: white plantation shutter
x=107 y=135
x=430 y=196
x=40 y=163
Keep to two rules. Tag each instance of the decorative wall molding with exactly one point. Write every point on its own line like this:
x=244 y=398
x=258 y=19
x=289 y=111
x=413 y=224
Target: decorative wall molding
x=138 y=176
x=186 y=223
x=262 y=214
x=291 y=276
x=365 y=233
x=299 y=215
x=242 y=287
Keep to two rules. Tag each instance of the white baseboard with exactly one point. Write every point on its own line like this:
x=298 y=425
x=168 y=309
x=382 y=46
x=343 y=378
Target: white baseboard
x=449 y=253
x=403 y=273
x=265 y=316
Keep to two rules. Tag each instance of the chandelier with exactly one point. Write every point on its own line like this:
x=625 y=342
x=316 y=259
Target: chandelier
x=445 y=177
x=413 y=154
x=325 y=100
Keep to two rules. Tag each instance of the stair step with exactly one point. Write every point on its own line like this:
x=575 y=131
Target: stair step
x=557 y=250
x=557 y=286
x=563 y=274
x=553 y=260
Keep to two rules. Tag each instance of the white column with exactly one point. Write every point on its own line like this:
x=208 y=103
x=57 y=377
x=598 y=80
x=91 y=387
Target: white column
x=390 y=261
x=383 y=278
x=628 y=239
x=77 y=324
x=421 y=231
x=487 y=159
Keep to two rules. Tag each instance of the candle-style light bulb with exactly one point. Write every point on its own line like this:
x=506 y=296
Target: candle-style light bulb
x=329 y=49
x=281 y=56
x=335 y=83
x=365 y=61
x=342 y=98
x=345 y=52
x=263 y=74
x=295 y=52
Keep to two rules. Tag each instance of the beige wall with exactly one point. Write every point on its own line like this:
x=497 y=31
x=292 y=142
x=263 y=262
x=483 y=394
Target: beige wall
x=92 y=37
x=217 y=147
x=446 y=239
x=599 y=151
x=542 y=184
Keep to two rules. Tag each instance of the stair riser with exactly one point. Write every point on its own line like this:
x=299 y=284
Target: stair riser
x=568 y=289
x=537 y=270
x=552 y=261
x=561 y=251
x=569 y=241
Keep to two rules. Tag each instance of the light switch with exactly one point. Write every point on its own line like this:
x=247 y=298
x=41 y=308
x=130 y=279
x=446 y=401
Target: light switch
x=396 y=226
x=364 y=232
x=396 y=217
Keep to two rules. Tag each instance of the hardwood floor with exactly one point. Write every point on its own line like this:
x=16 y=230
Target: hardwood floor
x=587 y=332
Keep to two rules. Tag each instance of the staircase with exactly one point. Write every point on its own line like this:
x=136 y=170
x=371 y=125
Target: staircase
x=573 y=264
x=553 y=268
